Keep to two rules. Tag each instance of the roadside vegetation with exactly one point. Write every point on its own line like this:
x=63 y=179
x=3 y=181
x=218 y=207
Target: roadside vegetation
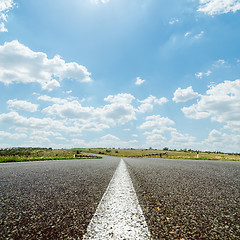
x=21 y=154
x=171 y=153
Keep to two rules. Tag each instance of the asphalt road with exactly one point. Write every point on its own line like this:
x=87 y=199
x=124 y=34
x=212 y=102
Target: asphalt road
x=184 y=199
x=51 y=199
x=180 y=199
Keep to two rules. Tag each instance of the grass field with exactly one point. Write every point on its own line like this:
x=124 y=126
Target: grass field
x=184 y=154
x=39 y=154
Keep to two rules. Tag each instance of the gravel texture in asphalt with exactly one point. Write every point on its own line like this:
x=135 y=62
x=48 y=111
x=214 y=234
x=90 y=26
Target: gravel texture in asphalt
x=180 y=199
x=183 y=199
x=51 y=199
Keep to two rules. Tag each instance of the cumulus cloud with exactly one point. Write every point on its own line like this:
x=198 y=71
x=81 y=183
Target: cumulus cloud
x=47 y=98
x=215 y=7
x=119 y=110
x=20 y=64
x=179 y=139
x=22 y=105
x=5 y=6
x=139 y=81
x=121 y=98
x=153 y=99
x=193 y=112
x=184 y=95
x=114 y=113
x=220 y=141
x=72 y=109
x=13 y=136
x=156 y=121
x=221 y=102
x=20 y=122
x=147 y=104
x=169 y=136
x=110 y=137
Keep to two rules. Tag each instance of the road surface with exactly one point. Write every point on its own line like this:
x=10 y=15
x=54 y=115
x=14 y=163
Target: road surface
x=168 y=199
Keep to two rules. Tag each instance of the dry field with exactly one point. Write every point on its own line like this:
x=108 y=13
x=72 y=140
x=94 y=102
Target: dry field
x=39 y=154
x=171 y=154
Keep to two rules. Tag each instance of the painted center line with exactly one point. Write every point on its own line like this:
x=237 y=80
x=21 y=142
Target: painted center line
x=119 y=215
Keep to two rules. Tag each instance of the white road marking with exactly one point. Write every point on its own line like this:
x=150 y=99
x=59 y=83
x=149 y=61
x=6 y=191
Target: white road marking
x=119 y=215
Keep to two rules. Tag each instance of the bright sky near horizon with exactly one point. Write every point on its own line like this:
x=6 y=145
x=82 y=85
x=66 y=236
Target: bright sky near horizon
x=120 y=73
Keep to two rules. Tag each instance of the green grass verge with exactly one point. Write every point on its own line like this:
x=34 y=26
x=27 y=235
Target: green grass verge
x=12 y=159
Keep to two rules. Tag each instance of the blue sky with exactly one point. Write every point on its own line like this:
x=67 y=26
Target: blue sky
x=118 y=73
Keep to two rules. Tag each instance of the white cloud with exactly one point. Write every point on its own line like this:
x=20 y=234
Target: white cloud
x=2 y=27
x=119 y=110
x=197 y=36
x=181 y=140
x=13 y=136
x=170 y=137
x=139 y=81
x=52 y=99
x=145 y=107
x=215 y=136
x=202 y=74
x=110 y=137
x=221 y=103
x=147 y=104
x=183 y=95
x=20 y=64
x=215 y=7
x=36 y=140
x=5 y=6
x=117 y=113
x=36 y=132
x=220 y=63
x=193 y=112
x=68 y=92
x=67 y=109
x=156 y=121
x=121 y=98
x=22 y=105
x=42 y=124
x=219 y=141
x=173 y=21
x=153 y=99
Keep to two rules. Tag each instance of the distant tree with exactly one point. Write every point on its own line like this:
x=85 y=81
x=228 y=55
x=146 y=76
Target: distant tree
x=165 y=149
